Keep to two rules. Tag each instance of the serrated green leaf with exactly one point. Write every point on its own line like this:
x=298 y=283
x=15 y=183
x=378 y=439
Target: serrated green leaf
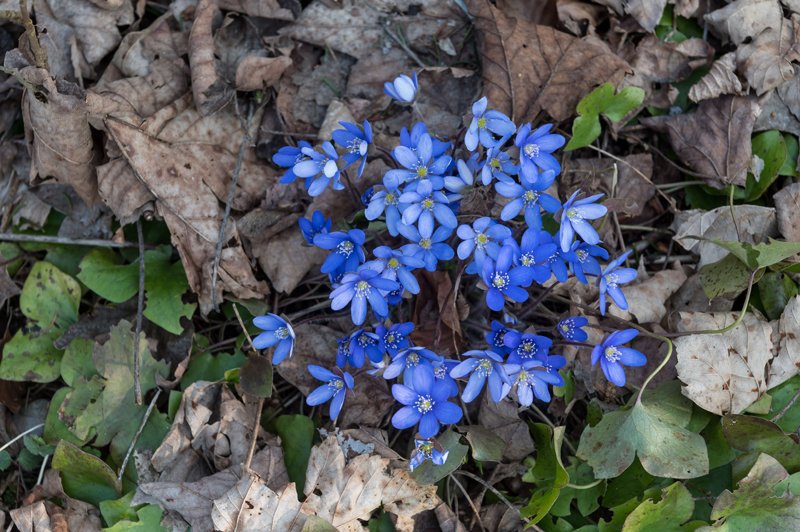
x=623 y=103
x=728 y=277
x=85 y=476
x=165 y=283
x=104 y=274
x=297 y=438
x=666 y=515
x=548 y=472
x=50 y=296
x=428 y=473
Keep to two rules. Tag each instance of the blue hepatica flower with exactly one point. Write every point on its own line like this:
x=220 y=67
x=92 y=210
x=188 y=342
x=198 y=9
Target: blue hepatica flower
x=403 y=88
x=276 y=331
x=409 y=360
x=424 y=403
x=425 y=450
x=441 y=372
x=482 y=366
x=363 y=345
x=355 y=141
x=485 y=124
x=366 y=196
x=317 y=225
x=418 y=165
x=333 y=390
x=395 y=338
x=613 y=356
x=344 y=355
x=535 y=151
x=498 y=166
x=287 y=157
x=582 y=260
x=571 y=329
x=502 y=280
x=430 y=248
x=397 y=266
x=526 y=346
x=320 y=168
x=553 y=259
x=360 y=289
x=532 y=380
x=483 y=238
x=410 y=140
x=574 y=216
x=385 y=201
x=528 y=198
x=533 y=255
x=611 y=278
x=424 y=205
x=495 y=338
x=463 y=180
x=347 y=252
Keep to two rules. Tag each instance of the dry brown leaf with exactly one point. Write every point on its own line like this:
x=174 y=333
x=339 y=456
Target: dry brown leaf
x=141 y=49
x=786 y=363
x=787 y=207
x=250 y=506
x=502 y=419
x=647 y=299
x=719 y=81
x=753 y=224
x=579 y=17
x=258 y=8
x=528 y=68
x=646 y=12
x=257 y=73
x=781 y=108
x=209 y=94
x=724 y=373
x=767 y=60
x=745 y=19
x=437 y=315
x=661 y=61
x=32 y=518
x=715 y=139
x=73 y=514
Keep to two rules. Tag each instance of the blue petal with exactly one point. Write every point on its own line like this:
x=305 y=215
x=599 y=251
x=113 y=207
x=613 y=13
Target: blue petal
x=336 y=404
x=447 y=413
x=320 y=373
x=404 y=394
x=320 y=395
x=428 y=425
x=473 y=387
x=406 y=417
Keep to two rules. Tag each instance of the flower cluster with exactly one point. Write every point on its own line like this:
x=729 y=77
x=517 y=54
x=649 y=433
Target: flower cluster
x=420 y=201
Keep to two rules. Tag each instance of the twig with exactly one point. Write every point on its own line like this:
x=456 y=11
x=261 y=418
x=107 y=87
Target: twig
x=46 y=239
x=469 y=501
x=138 y=434
x=137 y=384
x=585 y=486
x=20 y=435
x=246 y=140
x=39 y=55
x=487 y=486
x=260 y=407
x=405 y=47
x=41 y=470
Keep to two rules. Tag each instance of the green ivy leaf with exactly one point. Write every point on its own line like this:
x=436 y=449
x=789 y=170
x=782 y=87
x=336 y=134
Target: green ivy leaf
x=50 y=296
x=548 y=472
x=586 y=127
x=666 y=515
x=297 y=438
x=165 y=283
x=104 y=274
x=85 y=476
x=428 y=473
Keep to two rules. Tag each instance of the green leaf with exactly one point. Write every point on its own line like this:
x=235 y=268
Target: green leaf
x=781 y=396
x=211 y=367
x=31 y=357
x=428 y=473
x=317 y=524
x=548 y=472
x=728 y=277
x=165 y=283
x=50 y=296
x=770 y=147
x=596 y=101
x=297 y=438
x=585 y=130
x=630 y=484
x=77 y=361
x=8 y=256
x=789 y=167
x=753 y=505
x=256 y=376
x=104 y=274
x=586 y=127
x=719 y=450
x=36 y=445
x=154 y=432
x=756 y=256
x=773 y=294
x=85 y=476
x=754 y=436
x=5 y=460
x=667 y=515
x=116 y=510
x=55 y=429
x=623 y=103
x=486 y=445
x=665 y=449
x=149 y=520
x=587 y=499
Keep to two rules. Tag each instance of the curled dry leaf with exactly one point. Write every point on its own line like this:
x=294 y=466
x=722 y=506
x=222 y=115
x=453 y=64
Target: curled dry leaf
x=766 y=62
x=648 y=298
x=719 y=81
x=579 y=17
x=715 y=139
x=752 y=224
x=660 y=61
x=745 y=19
x=551 y=70
x=209 y=95
x=787 y=205
x=786 y=363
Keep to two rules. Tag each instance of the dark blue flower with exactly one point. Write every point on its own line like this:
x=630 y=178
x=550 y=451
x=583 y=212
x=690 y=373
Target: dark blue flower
x=409 y=360
x=344 y=355
x=611 y=278
x=482 y=366
x=424 y=205
x=498 y=166
x=320 y=168
x=486 y=123
x=483 y=238
x=397 y=266
x=613 y=356
x=360 y=289
x=574 y=216
x=551 y=256
x=395 y=338
x=533 y=255
x=441 y=372
x=582 y=260
x=418 y=166
x=365 y=344
x=287 y=157
x=528 y=198
x=355 y=141
x=459 y=183
x=571 y=328
x=411 y=140
x=504 y=281
x=424 y=403
x=430 y=248
x=403 y=88
x=496 y=338
x=276 y=331
x=335 y=388
x=535 y=151
x=532 y=380
x=425 y=450
x=317 y=225
x=366 y=196
x=347 y=253
x=387 y=201
x=526 y=346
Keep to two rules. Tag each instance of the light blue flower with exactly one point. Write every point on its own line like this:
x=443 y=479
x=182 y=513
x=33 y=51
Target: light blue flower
x=531 y=379
x=395 y=338
x=287 y=157
x=409 y=360
x=425 y=450
x=483 y=238
x=334 y=389
x=526 y=346
x=426 y=246
x=571 y=328
x=417 y=166
x=362 y=288
x=347 y=251
x=397 y=266
x=320 y=168
x=528 y=198
x=498 y=166
x=424 y=205
x=574 y=216
x=482 y=366
x=535 y=151
x=485 y=124
x=403 y=88
x=613 y=356
x=385 y=201
x=611 y=278
x=317 y=225
x=425 y=403
x=504 y=281
x=356 y=143
x=276 y=331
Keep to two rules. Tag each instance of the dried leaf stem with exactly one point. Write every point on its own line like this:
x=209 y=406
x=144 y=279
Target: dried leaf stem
x=138 y=434
x=257 y=421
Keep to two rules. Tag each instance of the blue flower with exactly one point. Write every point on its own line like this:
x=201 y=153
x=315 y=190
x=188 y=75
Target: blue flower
x=365 y=344
x=552 y=257
x=582 y=260
x=344 y=355
x=397 y=266
x=528 y=198
x=334 y=388
x=366 y=196
x=403 y=88
x=573 y=220
x=426 y=246
x=317 y=225
x=424 y=403
x=533 y=256
x=441 y=372
x=482 y=366
x=571 y=329
x=276 y=331
x=411 y=140
x=502 y=280
x=425 y=450
x=425 y=204
x=459 y=183
x=320 y=168
x=532 y=380
x=385 y=201
x=483 y=239
x=418 y=165
x=496 y=338
x=361 y=288
x=498 y=166
x=355 y=141
x=484 y=123
x=613 y=356
x=535 y=151
x=611 y=278
x=526 y=346
x=395 y=338
x=409 y=360
x=287 y=157
x=348 y=254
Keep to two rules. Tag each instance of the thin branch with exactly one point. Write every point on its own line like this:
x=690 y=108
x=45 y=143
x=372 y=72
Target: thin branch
x=39 y=55
x=138 y=434
x=137 y=384
x=260 y=407
x=469 y=501
x=46 y=239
